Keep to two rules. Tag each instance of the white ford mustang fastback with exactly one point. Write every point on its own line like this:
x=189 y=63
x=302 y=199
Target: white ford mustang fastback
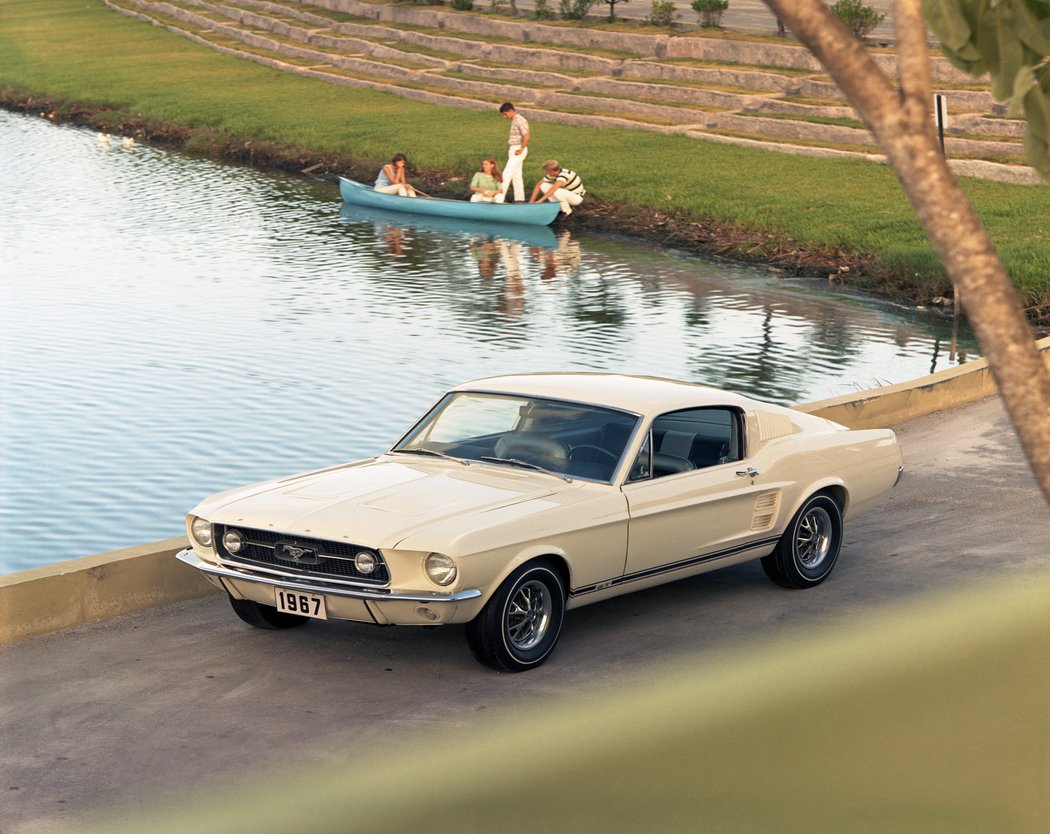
x=518 y=497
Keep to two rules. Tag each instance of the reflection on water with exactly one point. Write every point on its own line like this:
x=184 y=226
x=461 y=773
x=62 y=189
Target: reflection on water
x=449 y=228
x=170 y=327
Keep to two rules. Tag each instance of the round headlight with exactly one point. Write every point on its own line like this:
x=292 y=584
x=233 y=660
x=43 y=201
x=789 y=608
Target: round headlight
x=233 y=541
x=365 y=562
x=201 y=530
x=440 y=569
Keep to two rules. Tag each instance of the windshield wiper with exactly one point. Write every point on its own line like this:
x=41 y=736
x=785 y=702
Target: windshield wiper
x=525 y=465
x=433 y=452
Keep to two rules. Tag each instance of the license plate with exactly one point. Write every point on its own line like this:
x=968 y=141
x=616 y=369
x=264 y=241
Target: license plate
x=305 y=605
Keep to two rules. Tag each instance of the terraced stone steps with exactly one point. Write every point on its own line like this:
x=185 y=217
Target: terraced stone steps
x=728 y=90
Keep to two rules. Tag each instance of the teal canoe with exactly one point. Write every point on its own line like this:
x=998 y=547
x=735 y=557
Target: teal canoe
x=526 y=214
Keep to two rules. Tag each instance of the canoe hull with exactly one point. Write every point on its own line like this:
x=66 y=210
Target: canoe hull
x=471 y=230
x=528 y=214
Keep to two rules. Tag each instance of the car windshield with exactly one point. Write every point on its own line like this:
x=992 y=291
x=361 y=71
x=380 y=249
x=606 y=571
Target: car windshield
x=566 y=438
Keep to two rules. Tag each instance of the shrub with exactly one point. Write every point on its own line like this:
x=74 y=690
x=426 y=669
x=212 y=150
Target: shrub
x=463 y=5
x=575 y=9
x=496 y=6
x=710 y=11
x=662 y=13
x=860 y=18
x=543 y=10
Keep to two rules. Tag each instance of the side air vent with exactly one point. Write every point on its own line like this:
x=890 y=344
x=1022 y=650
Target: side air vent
x=773 y=425
x=764 y=515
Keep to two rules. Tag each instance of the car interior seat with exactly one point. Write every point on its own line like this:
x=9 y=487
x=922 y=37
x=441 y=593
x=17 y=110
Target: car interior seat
x=533 y=447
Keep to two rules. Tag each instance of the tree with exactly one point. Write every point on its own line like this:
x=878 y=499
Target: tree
x=612 y=9
x=899 y=117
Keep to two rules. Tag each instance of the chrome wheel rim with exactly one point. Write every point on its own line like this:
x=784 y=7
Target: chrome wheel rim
x=813 y=539
x=529 y=615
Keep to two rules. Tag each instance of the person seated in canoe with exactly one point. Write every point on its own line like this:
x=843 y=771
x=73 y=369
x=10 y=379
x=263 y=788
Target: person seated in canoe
x=485 y=187
x=391 y=179
x=559 y=185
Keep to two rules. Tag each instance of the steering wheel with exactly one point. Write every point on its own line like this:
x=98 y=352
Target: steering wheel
x=613 y=457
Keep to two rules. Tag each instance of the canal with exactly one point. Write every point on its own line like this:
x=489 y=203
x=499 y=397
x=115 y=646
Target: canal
x=170 y=327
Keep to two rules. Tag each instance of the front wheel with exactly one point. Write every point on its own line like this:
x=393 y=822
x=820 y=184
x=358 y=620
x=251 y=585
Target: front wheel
x=519 y=626
x=810 y=546
x=265 y=616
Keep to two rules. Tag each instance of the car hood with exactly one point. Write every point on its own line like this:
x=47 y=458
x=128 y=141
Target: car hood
x=376 y=503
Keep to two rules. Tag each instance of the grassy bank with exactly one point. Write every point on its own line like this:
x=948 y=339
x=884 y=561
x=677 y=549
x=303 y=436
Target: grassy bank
x=85 y=60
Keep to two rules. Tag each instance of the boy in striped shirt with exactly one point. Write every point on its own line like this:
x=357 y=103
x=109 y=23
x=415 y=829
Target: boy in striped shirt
x=559 y=185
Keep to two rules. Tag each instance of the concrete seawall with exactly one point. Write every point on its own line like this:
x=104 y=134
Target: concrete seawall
x=107 y=585
x=893 y=404
x=100 y=587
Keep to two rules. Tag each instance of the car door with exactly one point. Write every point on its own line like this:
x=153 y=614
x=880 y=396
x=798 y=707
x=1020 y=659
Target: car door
x=684 y=518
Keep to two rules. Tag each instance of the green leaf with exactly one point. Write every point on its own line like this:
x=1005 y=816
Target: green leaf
x=1024 y=81
x=969 y=61
x=1011 y=40
x=1037 y=154
x=1037 y=134
x=947 y=20
x=1037 y=107
x=1010 y=49
x=986 y=36
x=1033 y=24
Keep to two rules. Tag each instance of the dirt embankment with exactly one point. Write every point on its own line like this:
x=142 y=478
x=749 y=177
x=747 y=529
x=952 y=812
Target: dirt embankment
x=690 y=233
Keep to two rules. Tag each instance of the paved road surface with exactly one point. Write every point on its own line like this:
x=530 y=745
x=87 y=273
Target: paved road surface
x=115 y=713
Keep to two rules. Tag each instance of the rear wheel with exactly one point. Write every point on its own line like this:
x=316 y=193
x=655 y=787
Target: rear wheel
x=265 y=616
x=519 y=626
x=809 y=547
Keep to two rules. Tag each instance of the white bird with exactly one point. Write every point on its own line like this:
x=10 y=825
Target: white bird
x=103 y=138
x=129 y=142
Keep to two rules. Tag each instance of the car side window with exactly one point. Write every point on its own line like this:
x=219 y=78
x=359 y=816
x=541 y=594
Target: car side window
x=697 y=438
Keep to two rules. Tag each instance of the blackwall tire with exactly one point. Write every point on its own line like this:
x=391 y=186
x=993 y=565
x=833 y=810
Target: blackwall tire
x=809 y=548
x=519 y=626
x=265 y=616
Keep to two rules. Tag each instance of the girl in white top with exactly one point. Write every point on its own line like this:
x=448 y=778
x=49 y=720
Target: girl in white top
x=391 y=179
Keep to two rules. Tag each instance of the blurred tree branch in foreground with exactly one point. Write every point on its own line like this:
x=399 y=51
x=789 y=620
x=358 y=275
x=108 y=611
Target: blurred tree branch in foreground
x=1007 y=39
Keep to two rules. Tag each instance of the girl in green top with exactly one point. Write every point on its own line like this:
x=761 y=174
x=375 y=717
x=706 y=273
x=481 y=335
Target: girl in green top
x=485 y=187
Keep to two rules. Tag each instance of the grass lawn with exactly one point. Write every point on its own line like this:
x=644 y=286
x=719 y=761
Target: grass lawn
x=81 y=51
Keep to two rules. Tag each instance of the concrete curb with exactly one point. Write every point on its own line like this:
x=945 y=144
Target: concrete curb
x=108 y=585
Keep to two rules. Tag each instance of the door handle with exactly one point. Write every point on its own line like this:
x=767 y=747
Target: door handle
x=748 y=473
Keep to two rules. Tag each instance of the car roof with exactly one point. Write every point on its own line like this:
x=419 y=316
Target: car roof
x=645 y=395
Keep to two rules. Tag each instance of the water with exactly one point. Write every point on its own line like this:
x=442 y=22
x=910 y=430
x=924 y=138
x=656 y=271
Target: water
x=170 y=327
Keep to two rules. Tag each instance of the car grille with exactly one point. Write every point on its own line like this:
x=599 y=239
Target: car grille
x=322 y=558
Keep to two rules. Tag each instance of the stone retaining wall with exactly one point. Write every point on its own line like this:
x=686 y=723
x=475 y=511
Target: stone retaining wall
x=692 y=46
x=759 y=81
x=667 y=92
x=589 y=89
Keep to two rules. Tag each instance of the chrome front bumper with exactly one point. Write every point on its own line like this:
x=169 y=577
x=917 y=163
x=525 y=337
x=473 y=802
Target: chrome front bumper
x=382 y=608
